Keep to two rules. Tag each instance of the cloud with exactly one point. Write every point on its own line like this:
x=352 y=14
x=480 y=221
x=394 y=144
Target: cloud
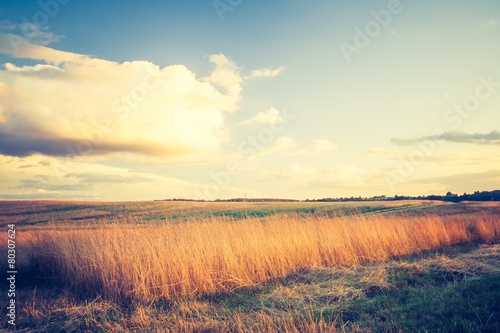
x=76 y=105
x=39 y=70
x=294 y=173
x=380 y=151
x=47 y=187
x=453 y=158
x=266 y=72
x=489 y=23
x=491 y=138
x=7 y=25
x=17 y=46
x=270 y=117
x=280 y=144
x=318 y=146
x=31 y=32
x=345 y=177
x=225 y=74
x=322 y=146
x=100 y=178
x=466 y=182
x=463 y=159
x=295 y=169
x=56 y=178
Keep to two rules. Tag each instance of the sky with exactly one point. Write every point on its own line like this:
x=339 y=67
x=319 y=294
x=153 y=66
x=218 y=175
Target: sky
x=131 y=100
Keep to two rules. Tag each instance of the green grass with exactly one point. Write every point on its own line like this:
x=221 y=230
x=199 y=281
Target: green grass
x=42 y=213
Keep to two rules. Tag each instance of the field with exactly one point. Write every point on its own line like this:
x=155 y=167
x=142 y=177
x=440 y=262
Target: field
x=254 y=267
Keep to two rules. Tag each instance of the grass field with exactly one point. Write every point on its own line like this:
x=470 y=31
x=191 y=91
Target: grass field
x=42 y=213
x=255 y=267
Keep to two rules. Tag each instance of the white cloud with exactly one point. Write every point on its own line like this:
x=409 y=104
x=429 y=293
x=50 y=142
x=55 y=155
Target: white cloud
x=295 y=169
x=318 y=146
x=280 y=144
x=338 y=177
x=344 y=177
x=225 y=74
x=322 y=146
x=266 y=72
x=270 y=117
x=38 y=70
x=19 y=47
x=77 y=105
x=380 y=151
x=347 y=175
x=294 y=173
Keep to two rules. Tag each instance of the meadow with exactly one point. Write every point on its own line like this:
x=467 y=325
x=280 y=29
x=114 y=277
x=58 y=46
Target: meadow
x=255 y=267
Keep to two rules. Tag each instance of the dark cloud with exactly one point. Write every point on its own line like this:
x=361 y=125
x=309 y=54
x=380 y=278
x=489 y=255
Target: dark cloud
x=491 y=138
x=44 y=177
x=30 y=144
x=41 y=163
x=27 y=166
x=22 y=144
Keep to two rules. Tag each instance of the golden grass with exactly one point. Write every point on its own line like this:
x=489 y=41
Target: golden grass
x=147 y=262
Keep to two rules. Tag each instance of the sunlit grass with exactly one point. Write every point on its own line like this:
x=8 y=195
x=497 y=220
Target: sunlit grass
x=137 y=262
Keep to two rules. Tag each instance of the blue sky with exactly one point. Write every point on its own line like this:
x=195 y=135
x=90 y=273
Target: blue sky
x=265 y=98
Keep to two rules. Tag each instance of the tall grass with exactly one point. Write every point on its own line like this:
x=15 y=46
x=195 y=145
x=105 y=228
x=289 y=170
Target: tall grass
x=144 y=262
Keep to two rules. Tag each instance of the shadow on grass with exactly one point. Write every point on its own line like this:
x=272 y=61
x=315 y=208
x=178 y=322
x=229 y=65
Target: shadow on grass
x=454 y=289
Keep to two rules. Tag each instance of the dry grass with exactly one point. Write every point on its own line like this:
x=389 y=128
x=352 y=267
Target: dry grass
x=170 y=261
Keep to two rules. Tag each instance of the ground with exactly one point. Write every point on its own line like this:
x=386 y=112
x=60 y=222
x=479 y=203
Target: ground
x=451 y=289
